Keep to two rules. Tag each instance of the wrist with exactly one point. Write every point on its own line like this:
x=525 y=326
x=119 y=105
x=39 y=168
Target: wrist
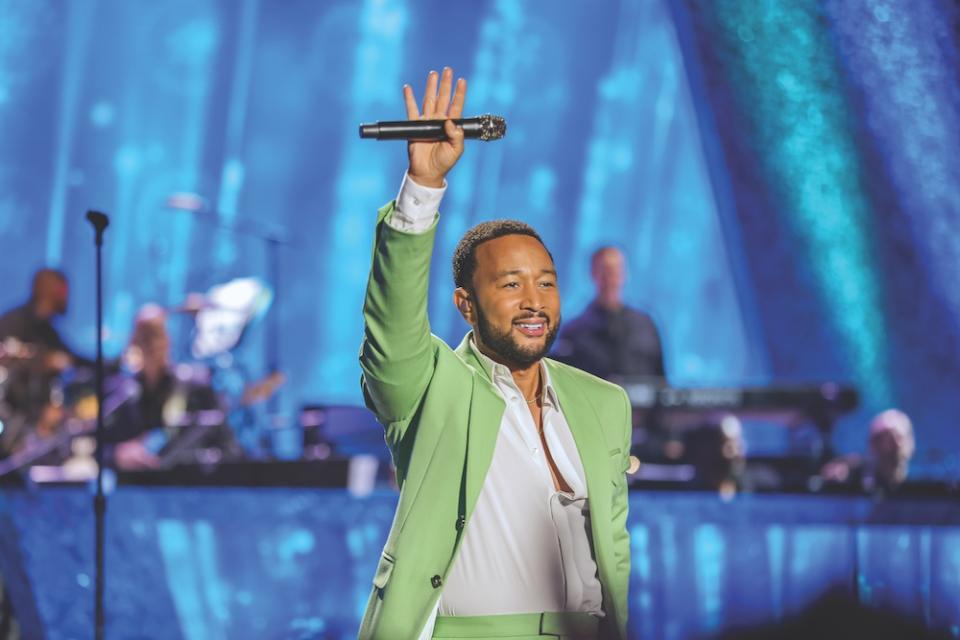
x=434 y=182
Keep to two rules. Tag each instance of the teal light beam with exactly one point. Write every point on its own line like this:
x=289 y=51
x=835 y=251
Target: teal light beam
x=789 y=82
x=79 y=19
x=492 y=87
x=363 y=183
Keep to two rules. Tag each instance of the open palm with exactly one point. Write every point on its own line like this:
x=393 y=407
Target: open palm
x=430 y=160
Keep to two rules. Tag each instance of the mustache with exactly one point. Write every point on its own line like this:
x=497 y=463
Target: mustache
x=533 y=316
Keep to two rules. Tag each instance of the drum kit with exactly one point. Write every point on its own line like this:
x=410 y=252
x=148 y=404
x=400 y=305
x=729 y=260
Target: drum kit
x=48 y=410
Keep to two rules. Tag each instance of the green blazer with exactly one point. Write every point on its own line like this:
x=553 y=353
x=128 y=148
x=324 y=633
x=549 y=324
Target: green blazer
x=441 y=414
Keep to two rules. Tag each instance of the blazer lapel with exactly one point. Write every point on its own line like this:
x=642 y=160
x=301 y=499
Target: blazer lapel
x=486 y=414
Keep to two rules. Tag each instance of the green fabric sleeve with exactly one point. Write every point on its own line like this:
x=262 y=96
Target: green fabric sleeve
x=396 y=356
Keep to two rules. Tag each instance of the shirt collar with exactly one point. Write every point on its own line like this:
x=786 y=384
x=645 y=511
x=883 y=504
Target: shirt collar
x=499 y=372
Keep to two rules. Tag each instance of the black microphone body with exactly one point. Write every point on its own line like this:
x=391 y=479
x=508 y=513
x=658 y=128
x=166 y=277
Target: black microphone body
x=484 y=128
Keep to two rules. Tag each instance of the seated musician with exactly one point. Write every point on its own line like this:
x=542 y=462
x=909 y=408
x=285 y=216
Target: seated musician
x=32 y=322
x=173 y=415
x=715 y=451
x=890 y=447
x=33 y=355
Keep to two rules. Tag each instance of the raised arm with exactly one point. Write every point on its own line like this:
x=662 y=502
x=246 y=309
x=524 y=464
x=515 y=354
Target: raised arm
x=397 y=355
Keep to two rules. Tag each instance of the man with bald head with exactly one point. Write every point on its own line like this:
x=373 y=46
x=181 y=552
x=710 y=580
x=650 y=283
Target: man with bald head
x=35 y=350
x=31 y=323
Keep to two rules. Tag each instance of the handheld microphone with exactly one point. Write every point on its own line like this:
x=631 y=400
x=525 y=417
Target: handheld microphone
x=486 y=128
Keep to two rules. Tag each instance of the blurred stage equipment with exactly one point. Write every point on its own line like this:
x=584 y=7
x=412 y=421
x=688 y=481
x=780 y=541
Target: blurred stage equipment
x=343 y=449
x=31 y=434
x=13 y=351
x=334 y=433
x=220 y=319
x=79 y=423
x=246 y=402
x=272 y=237
x=26 y=383
x=224 y=312
x=791 y=405
x=328 y=474
x=15 y=356
x=486 y=128
x=670 y=412
x=341 y=431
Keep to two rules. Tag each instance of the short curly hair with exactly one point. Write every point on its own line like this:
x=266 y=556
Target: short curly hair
x=465 y=255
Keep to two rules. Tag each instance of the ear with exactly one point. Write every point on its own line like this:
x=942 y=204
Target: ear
x=464 y=304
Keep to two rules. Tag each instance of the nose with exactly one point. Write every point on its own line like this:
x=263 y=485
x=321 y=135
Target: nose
x=532 y=299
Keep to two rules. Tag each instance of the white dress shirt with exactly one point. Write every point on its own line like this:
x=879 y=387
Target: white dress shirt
x=527 y=546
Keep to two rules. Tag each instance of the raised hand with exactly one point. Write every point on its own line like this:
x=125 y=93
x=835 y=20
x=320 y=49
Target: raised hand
x=430 y=160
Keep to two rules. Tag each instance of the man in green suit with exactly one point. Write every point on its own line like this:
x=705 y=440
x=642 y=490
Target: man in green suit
x=511 y=520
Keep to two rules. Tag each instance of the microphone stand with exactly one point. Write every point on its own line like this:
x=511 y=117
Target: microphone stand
x=99 y=222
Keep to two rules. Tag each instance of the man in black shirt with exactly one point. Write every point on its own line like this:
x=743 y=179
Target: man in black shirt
x=172 y=414
x=34 y=355
x=610 y=339
x=31 y=323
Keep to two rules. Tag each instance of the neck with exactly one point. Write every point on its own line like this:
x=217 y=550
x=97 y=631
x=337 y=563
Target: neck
x=152 y=374
x=610 y=301
x=41 y=310
x=527 y=378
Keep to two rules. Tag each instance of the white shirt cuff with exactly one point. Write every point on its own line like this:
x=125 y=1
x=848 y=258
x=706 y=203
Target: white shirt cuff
x=417 y=206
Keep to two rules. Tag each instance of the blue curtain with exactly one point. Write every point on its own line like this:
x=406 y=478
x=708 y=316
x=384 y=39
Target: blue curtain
x=782 y=176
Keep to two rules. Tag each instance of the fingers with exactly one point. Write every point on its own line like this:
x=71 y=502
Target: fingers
x=443 y=99
x=454 y=135
x=411 y=103
x=430 y=95
x=459 y=97
x=437 y=103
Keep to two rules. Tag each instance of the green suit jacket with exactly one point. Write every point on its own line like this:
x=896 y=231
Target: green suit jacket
x=441 y=414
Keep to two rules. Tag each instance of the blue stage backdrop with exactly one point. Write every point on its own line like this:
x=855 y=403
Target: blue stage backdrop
x=835 y=128
x=297 y=564
x=782 y=176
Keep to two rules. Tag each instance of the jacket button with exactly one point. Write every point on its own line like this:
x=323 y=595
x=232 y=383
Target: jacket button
x=436 y=582
x=460 y=522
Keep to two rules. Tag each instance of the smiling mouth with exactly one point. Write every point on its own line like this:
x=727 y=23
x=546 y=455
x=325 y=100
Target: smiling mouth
x=532 y=328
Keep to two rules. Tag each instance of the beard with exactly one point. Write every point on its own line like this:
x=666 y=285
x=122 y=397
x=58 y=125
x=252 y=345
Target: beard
x=507 y=349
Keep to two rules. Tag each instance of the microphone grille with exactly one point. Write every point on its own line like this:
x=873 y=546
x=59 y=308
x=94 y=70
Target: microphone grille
x=492 y=127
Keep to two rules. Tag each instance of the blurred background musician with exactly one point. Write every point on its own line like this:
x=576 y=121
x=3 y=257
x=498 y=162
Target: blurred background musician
x=610 y=339
x=884 y=469
x=173 y=415
x=34 y=356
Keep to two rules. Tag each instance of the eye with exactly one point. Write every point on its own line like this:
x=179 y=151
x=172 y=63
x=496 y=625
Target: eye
x=547 y=284
x=512 y=285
